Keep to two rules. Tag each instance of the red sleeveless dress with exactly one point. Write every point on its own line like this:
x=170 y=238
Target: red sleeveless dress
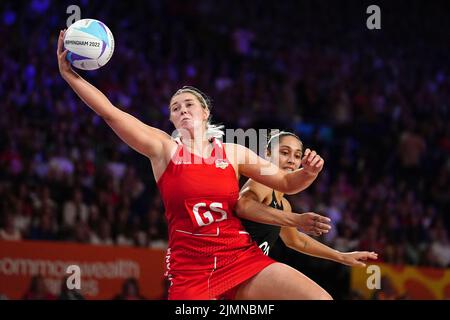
x=209 y=253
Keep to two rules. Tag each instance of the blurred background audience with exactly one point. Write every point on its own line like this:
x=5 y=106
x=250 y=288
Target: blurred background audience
x=373 y=103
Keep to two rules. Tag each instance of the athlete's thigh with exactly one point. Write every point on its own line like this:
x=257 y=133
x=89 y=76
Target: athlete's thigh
x=279 y=282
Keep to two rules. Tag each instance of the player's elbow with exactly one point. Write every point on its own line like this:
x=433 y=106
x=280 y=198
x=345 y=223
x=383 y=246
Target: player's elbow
x=293 y=244
x=286 y=187
x=291 y=189
x=300 y=183
x=247 y=203
x=290 y=186
x=241 y=206
x=288 y=242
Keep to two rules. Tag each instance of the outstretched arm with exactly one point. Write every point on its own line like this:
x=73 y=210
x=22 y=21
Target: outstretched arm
x=303 y=243
x=144 y=139
x=268 y=174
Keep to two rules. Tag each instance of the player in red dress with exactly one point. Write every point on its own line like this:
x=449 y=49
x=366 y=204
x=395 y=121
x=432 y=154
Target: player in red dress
x=210 y=255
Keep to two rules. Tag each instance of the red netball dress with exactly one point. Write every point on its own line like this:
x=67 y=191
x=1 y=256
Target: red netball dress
x=209 y=253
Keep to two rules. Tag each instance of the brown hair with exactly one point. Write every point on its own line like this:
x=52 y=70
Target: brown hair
x=204 y=100
x=212 y=130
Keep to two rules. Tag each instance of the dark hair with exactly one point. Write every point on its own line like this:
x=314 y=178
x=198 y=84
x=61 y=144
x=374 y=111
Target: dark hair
x=277 y=135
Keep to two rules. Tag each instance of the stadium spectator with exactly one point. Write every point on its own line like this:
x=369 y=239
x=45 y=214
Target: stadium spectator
x=9 y=231
x=130 y=291
x=375 y=105
x=69 y=294
x=38 y=290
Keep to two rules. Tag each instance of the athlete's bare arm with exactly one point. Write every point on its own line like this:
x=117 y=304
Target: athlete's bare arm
x=249 y=164
x=303 y=243
x=146 y=140
x=253 y=205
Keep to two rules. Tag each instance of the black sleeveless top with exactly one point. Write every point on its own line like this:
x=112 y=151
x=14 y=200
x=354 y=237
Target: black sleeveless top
x=265 y=235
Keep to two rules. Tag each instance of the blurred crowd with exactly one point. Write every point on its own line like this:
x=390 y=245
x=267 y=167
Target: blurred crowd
x=39 y=290
x=373 y=103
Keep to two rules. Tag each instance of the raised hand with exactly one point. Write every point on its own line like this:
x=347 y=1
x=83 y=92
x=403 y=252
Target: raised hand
x=64 y=65
x=312 y=162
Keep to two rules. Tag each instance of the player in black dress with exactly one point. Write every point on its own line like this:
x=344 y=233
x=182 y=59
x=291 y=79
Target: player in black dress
x=261 y=203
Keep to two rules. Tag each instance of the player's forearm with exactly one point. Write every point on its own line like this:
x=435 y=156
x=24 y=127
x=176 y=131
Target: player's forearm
x=312 y=247
x=91 y=96
x=298 y=181
x=253 y=210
